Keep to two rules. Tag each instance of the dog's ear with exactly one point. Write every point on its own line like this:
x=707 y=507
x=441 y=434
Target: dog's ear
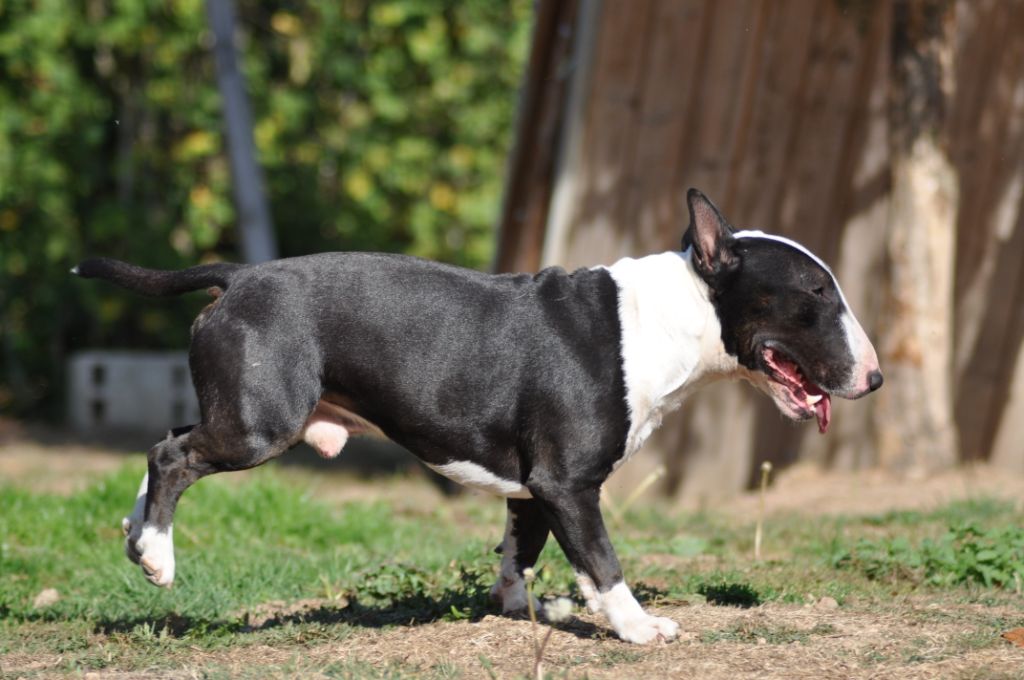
x=710 y=235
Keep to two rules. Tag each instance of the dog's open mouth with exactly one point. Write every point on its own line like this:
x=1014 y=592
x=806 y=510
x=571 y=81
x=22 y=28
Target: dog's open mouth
x=806 y=399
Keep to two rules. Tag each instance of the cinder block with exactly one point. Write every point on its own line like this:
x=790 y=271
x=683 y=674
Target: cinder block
x=142 y=392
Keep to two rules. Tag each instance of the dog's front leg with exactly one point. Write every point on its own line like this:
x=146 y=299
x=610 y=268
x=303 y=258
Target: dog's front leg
x=526 y=531
x=575 y=519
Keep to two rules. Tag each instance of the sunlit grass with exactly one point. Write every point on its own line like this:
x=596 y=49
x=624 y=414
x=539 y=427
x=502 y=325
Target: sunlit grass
x=240 y=546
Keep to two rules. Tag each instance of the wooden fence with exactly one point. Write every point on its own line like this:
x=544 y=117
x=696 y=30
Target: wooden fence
x=778 y=110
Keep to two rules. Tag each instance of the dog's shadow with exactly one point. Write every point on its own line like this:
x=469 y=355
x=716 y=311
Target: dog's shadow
x=410 y=610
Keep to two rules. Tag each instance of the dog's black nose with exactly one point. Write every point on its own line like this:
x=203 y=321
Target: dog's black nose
x=874 y=380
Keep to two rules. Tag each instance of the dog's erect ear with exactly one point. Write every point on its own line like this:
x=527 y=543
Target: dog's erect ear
x=710 y=235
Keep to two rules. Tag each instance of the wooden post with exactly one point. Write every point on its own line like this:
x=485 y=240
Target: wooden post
x=916 y=431
x=522 y=224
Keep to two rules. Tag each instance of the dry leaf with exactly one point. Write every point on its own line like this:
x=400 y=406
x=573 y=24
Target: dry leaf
x=1015 y=636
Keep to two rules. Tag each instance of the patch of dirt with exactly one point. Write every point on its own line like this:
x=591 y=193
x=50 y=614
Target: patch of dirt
x=908 y=641
x=279 y=612
x=807 y=488
x=57 y=462
x=55 y=468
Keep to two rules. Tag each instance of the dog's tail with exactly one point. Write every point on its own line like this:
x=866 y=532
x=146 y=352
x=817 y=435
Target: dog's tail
x=155 y=282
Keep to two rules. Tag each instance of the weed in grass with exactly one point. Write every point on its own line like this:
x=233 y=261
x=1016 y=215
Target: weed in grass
x=873 y=657
x=555 y=611
x=758 y=631
x=981 y=638
x=358 y=669
x=968 y=553
x=615 y=656
x=488 y=666
x=984 y=510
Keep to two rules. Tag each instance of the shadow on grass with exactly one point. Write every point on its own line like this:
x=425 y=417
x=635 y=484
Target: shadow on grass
x=411 y=610
x=730 y=594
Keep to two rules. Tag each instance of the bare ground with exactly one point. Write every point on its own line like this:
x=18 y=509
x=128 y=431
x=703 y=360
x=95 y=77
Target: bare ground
x=59 y=464
x=908 y=640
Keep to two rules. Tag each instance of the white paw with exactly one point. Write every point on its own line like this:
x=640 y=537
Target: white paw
x=513 y=596
x=155 y=554
x=645 y=629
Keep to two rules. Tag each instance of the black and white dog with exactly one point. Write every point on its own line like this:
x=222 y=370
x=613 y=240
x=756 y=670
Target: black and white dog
x=534 y=387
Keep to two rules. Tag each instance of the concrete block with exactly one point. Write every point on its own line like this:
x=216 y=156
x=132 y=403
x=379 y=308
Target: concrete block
x=139 y=392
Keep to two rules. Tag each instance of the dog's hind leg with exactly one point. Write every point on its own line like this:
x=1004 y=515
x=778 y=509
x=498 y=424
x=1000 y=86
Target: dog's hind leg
x=180 y=460
x=526 y=531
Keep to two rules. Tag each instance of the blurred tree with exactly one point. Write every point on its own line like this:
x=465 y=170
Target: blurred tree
x=254 y=229
x=916 y=429
x=380 y=125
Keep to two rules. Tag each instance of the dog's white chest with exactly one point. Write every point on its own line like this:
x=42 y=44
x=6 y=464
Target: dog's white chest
x=670 y=338
x=477 y=477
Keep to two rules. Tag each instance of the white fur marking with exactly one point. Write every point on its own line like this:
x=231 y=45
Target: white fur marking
x=589 y=592
x=477 y=477
x=157 y=550
x=139 y=509
x=630 y=621
x=752 y=233
x=671 y=338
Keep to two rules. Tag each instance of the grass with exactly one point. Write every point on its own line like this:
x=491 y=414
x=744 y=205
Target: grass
x=334 y=573
x=235 y=546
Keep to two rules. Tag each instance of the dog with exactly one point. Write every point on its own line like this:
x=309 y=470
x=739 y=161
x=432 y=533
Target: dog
x=535 y=387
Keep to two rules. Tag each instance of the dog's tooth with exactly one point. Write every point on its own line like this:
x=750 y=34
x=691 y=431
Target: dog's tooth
x=813 y=399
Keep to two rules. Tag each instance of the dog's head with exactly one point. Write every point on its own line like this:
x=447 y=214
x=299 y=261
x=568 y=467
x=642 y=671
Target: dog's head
x=782 y=314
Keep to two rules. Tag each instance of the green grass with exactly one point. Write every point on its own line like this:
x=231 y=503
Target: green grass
x=236 y=547
x=368 y=565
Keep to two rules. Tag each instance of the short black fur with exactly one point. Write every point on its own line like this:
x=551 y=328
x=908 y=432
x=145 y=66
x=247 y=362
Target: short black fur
x=769 y=295
x=520 y=374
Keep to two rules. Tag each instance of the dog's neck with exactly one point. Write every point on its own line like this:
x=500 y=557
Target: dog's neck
x=671 y=338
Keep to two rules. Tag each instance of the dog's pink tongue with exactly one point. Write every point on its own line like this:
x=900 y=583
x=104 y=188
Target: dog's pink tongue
x=823 y=409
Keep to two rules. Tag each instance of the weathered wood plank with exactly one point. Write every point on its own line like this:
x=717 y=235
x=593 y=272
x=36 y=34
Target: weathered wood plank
x=989 y=302
x=609 y=132
x=542 y=100
x=778 y=111
x=652 y=218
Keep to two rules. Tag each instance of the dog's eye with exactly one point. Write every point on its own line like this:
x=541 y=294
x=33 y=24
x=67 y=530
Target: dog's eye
x=819 y=291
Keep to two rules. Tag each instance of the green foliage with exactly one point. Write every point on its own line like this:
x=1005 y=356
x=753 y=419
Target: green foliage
x=380 y=125
x=965 y=553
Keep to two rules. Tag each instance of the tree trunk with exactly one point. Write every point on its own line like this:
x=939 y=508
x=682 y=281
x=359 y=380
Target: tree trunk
x=254 y=227
x=916 y=431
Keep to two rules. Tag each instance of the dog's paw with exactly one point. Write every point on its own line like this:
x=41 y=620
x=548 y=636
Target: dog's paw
x=154 y=552
x=645 y=629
